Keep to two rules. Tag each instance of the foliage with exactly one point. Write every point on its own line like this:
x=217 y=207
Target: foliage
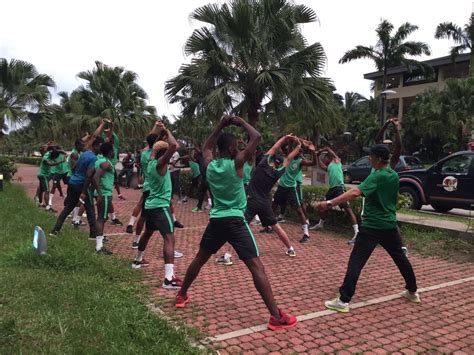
x=250 y=57
x=72 y=300
x=7 y=168
x=23 y=160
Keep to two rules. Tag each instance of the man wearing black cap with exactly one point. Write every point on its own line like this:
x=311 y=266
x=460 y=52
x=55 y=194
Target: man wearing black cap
x=379 y=226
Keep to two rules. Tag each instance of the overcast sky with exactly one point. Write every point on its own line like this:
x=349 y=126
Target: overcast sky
x=62 y=38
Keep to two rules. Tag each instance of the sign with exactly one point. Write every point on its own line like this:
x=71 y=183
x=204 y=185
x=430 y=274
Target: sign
x=450 y=183
x=320 y=177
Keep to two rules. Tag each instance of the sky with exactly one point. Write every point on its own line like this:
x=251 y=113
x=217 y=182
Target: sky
x=62 y=38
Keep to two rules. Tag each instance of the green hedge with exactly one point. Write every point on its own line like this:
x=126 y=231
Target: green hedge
x=7 y=168
x=24 y=160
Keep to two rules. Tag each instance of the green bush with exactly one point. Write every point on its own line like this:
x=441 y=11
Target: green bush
x=7 y=168
x=186 y=177
x=24 y=160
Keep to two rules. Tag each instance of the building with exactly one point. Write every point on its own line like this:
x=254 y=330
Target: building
x=408 y=86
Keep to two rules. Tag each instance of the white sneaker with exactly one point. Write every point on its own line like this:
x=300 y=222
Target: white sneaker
x=178 y=254
x=352 y=241
x=316 y=227
x=337 y=305
x=412 y=297
x=405 y=251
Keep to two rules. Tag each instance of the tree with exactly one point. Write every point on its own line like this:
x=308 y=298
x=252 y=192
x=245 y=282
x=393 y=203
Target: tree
x=463 y=38
x=251 y=56
x=391 y=50
x=22 y=91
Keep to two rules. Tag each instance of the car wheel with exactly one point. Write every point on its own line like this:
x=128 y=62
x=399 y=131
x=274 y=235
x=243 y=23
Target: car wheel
x=411 y=197
x=441 y=209
x=347 y=178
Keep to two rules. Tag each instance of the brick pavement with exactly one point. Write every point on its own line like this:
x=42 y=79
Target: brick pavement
x=224 y=300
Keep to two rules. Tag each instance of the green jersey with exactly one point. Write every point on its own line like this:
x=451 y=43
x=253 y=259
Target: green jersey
x=44 y=170
x=69 y=161
x=380 y=190
x=61 y=168
x=227 y=189
x=116 y=142
x=194 y=168
x=247 y=173
x=107 y=179
x=336 y=176
x=160 y=187
x=300 y=177
x=144 y=160
x=289 y=177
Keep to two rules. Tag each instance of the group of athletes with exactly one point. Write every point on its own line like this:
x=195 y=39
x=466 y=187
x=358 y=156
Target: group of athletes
x=238 y=180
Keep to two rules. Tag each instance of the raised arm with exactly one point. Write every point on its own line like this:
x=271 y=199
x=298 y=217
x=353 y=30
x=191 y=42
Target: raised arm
x=254 y=139
x=165 y=158
x=381 y=133
x=314 y=159
x=293 y=154
x=397 y=147
x=157 y=126
x=211 y=141
x=278 y=144
x=320 y=162
x=96 y=133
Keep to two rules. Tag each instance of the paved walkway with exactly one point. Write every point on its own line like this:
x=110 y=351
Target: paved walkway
x=227 y=309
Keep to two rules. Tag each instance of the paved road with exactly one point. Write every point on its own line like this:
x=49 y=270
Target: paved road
x=225 y=306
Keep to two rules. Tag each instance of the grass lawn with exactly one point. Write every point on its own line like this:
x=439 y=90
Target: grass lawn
x=438 y=216
x=71 y=300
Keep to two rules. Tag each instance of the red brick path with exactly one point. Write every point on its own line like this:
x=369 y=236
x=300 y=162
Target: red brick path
x=223 y=299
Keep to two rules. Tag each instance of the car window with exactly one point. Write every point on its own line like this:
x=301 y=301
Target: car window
x=457 y=165
x=362 y=162
x=412 y=161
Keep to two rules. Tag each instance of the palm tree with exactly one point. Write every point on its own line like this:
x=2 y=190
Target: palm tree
x=463 y=38
x=391 y=50
x=22 y=91
x=250 y=56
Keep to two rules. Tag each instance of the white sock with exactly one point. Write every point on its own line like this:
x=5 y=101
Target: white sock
x=227 y=256
x=139 y=256
x=257 y=218
x=174 y=220
x=132 y=221
x=169 y=271
x=112 y=216
x=99 y=242
x=209 y=202
x=291 y=248
x=75 y=214
x=307 y=221
x=50 y=199
x=305 y=229
x=356 y=228
x=137 y=238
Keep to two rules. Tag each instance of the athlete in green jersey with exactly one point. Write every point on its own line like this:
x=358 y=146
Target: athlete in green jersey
x=379 y=226
x=58 y=173
x=50 y=159
x=227 y=224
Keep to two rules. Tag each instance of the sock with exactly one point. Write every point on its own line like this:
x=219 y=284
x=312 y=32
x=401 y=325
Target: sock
x=112 y=216
x=174 y=220
x=291 y=248
x=169 y=271
x=356 y=228
x=307 y=221
x=305 y=229
x=75 y=214
x=227 y=256
x=209 y=202
x=99 y=242
x=50 y=199
x=137 y=238
x=257 y=218
x=139 y=256
x=132 y=221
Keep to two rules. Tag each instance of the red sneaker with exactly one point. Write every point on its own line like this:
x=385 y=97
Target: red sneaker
x=285 y=321
x=181 y=301
x=174 y=283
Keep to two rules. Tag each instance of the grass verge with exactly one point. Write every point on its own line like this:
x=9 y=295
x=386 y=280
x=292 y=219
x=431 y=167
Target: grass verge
x=437 y=216
x=71 y=300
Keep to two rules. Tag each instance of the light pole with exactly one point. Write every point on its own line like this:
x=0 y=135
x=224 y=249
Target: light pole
x=383 y=95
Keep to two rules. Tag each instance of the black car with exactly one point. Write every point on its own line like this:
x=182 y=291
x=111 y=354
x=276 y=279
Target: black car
x=361 y=168
x=446 y=185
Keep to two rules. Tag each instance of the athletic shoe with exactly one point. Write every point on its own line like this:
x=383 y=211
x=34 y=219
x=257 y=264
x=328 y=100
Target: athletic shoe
x=337 y=305
x=178 y=254
x=48 y=207
x=139 y=264
x=116 y=222
x=281 y=220
x=105 y=240
x=84 y=215
x=51 y=209
x=412 y=297
x=196 y=210
x=178 y=224
x=224 y=261
x=36 y=199
x=304 y=239
x=184 y=200
x=181 y=301
x=352 y=241
x=208 y=207
x=134 y=245
x=405 y=251
x=285 y=321
x=290 y=252
x=91 y=237
x=104 y=251
x=129 y=229
x=255 y=222
x=53 y=233
x=77 y=225
x=316 y=227
x=266 y=230
x=174 y=283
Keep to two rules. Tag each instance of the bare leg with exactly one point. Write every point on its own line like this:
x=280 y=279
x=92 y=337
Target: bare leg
x=193 y=270
x=351 y=215
x=168 y=248
x=140 y=224
x=301 y=215
x=282 y=235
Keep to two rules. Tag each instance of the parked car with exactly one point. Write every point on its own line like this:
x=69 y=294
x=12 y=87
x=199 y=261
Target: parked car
x=360 y=169
x=446 y=185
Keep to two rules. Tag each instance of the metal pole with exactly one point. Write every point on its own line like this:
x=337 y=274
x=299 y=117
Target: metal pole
x=382 y=114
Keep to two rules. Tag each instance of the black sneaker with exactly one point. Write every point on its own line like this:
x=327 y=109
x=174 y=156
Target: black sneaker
x=178 y=224
x=104 y=251
x=134 y=245
x=91 y=237
x=105 y=240
x=266 y=230
x=53 y=233
x=116 y=222
x=77 y=225
x=304 y=239
x=129 y=229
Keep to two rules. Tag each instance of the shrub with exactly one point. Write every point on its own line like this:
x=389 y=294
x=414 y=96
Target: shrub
x=24 y=160
x=7 y=168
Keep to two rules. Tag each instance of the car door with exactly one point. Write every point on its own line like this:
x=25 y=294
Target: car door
x=451 y=181
x=361 y=169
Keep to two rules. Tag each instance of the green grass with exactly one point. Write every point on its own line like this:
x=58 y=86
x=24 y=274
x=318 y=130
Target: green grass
x=437 y=216
x=71 y=300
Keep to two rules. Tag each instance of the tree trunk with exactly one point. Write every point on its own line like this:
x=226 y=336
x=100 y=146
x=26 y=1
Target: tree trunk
x=316 y=137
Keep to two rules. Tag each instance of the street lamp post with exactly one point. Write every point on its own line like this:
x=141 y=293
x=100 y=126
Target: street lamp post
x=383 y=95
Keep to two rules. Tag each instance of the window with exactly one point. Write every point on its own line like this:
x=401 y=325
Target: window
x=362 y=162
x=457 y=165
x=416 y=78
x=413 y=162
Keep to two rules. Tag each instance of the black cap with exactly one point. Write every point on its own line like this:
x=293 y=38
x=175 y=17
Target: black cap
x=278 y=159
x=381 y=151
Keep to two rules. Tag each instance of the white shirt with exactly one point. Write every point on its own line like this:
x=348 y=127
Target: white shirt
x=173 y=160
